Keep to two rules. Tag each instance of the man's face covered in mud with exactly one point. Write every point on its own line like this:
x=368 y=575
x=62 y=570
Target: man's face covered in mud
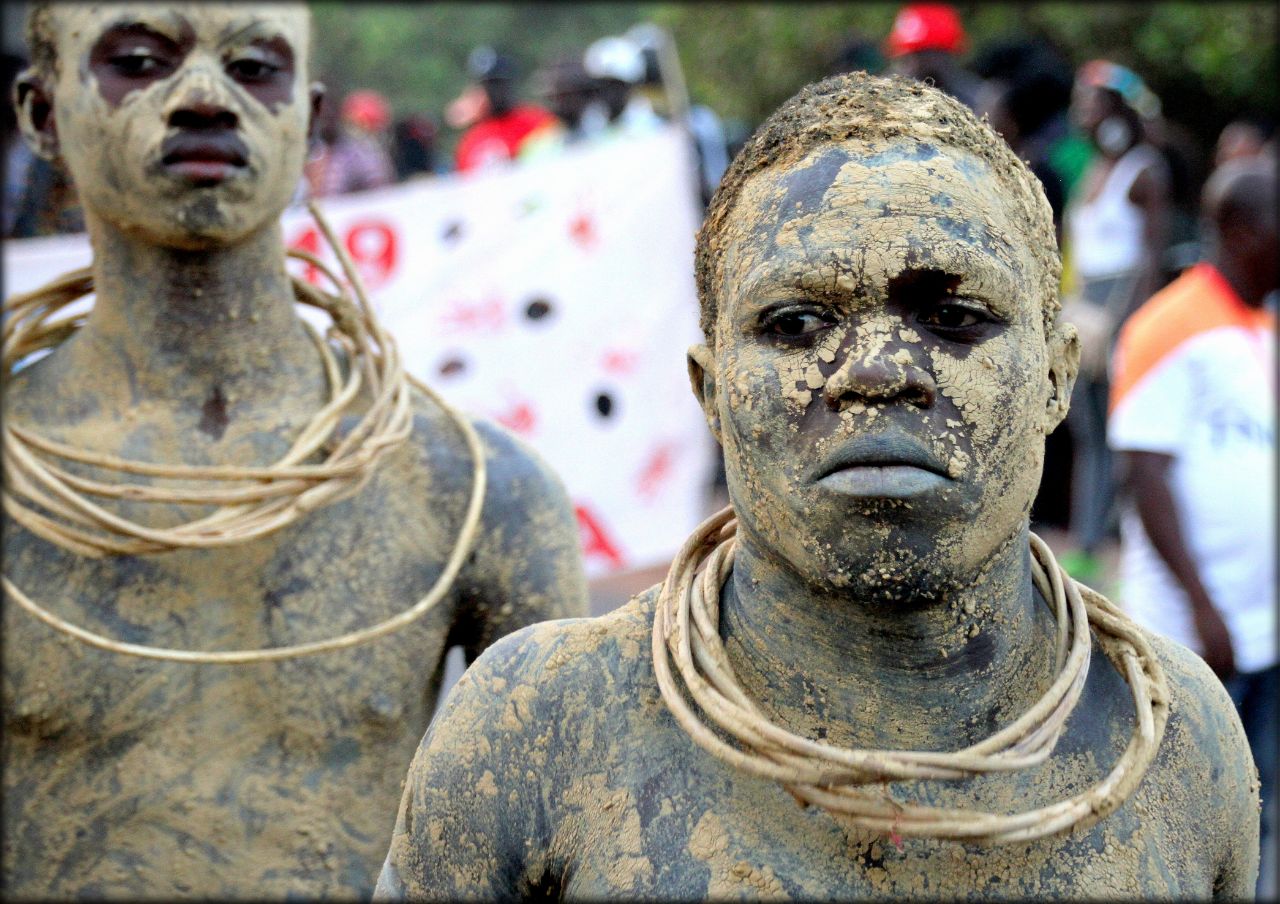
x=881 y=380
x=183 y=123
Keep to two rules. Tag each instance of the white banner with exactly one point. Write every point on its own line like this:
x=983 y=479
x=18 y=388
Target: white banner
x=555 y=297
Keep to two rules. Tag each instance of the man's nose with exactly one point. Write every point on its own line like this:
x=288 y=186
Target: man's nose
x=888 y=374
x=199 y=100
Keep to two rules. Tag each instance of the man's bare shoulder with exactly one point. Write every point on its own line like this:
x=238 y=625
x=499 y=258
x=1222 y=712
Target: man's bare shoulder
x=554 y=655
x=1204 y=772
x=509 y=459
x=584 y=665
x=1200 y=710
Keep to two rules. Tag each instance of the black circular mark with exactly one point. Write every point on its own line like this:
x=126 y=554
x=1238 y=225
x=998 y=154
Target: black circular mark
x=452 y=366
x=452 y=231
x=604 y=405
x=538 y=308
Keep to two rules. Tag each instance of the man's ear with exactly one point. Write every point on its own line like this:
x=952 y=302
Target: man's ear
x=34 y=104
x=316 y=92
x=1064 y=364
x=702 y=370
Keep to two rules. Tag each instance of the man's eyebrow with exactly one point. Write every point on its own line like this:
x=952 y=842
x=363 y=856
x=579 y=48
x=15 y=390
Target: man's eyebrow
x=168 y=26
x=253 y=30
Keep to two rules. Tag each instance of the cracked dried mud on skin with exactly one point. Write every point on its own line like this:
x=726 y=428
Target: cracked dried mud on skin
x=903 y=624
x=599 y=793
x=126 y=777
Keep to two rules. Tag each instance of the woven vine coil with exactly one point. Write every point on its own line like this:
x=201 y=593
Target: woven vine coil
x=50 y=501
x=853 y=783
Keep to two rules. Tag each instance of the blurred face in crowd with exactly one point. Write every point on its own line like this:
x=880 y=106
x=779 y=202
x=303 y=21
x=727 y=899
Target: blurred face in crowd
x=183 y=123
x=1103 y=116
x=881 y=381
x=1238 y=141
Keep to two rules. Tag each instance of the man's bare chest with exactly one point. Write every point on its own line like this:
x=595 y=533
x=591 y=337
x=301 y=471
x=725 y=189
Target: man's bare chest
x=678 y=824
x=348 y=566
x=782 y=852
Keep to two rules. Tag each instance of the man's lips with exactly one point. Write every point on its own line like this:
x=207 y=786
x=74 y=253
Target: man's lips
x=888 y=465
x=203 y=158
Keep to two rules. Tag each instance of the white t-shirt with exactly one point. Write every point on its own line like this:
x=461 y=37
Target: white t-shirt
x=1194 y=378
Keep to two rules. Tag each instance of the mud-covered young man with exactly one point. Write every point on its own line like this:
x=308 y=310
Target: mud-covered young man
x=882 y=363
x=184 y=128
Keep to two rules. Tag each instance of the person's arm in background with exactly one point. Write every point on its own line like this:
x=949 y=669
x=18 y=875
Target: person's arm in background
x=1147 y=476
x=1150 y=192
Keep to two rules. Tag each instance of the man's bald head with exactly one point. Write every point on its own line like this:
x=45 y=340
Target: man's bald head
x=1242 y=190
x=1239 y=205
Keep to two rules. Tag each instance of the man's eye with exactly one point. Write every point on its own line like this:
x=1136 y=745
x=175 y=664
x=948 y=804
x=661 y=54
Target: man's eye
x=251 y=70
x=952 y=317
x=137 y=63
x=792 y=323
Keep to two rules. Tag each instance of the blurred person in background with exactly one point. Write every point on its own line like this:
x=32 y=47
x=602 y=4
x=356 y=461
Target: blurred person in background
x=572 y=96
x=1017 y=110
x=1025 y=98
x=618 y=66
x=413 y=146
x=1193 y=423
x=925 y=43
x=499 y=128
x=357 y=157
x=1116 y=227
x=39 y=199
x=706 y=128
x=1033 y=83
x=18 y=157
x=857 y=53
x=1240 y=138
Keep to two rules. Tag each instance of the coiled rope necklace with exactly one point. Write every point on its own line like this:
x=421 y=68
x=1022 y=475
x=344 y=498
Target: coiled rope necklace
x=250 y=502
x=851 y=782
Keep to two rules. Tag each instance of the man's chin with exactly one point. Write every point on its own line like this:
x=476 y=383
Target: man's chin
x=202 y=225
x=886 y=561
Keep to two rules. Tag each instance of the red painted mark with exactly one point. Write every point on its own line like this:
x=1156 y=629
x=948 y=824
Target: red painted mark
x=657 y=468
x=582 y=229
x=520 y=418
x=620 y=361
x=463 y=316
x=893 y=832
x=595 y=540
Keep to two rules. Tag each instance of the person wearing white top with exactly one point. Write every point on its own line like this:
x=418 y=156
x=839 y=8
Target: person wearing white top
x=1115 y=231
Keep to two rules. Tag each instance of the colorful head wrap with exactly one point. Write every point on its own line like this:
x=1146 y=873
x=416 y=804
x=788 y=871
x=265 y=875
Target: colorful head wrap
x=1125 y=82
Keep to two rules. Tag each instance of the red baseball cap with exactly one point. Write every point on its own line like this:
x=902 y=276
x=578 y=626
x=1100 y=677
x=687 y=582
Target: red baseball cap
x=367 y=109
x=925 y=26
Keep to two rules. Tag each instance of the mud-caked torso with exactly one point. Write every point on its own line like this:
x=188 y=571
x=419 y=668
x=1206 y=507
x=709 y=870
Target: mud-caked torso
x=125 y=776
x=599 y=793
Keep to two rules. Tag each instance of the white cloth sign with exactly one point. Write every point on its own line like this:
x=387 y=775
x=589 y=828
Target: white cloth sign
x=555 y=297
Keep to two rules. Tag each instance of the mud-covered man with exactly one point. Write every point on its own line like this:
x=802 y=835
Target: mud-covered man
x=184 y=128
x=882 y=363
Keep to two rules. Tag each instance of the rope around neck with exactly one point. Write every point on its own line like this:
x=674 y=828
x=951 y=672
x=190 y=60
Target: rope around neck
x=686 y=629
x=251 y=502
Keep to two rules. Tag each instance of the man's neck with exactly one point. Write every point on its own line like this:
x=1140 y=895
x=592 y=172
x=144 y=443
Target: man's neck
x=1251 y=289
x=190 y=325
x=933 y=676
